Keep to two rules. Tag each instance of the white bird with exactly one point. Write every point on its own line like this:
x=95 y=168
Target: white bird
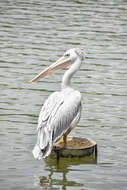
x=61 y=111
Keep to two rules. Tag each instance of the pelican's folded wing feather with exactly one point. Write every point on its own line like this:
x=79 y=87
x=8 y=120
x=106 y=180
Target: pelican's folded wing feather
x=56 y=116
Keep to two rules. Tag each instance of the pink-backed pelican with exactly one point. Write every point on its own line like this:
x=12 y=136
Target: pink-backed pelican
x=61 y=111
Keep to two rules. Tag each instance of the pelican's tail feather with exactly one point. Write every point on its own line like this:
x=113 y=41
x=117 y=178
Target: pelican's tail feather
x=44 y=146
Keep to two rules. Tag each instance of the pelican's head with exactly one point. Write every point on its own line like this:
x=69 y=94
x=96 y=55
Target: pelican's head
x=74 y=54
x=64 y=62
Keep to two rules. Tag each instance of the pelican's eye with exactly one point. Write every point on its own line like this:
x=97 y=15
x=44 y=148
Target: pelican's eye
x=67 y=55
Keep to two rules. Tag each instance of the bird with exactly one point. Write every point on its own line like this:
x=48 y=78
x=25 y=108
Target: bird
x=62 y=110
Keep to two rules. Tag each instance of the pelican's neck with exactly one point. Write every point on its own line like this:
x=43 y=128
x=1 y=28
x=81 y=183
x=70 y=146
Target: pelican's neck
x=66 y=81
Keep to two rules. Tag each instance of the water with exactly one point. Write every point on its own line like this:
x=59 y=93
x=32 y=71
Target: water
x=34 y=34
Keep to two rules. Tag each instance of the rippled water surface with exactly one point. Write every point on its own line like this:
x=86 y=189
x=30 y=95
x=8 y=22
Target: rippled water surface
x=35 y=33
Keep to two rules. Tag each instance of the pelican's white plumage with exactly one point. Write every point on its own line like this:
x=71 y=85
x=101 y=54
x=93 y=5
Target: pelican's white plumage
x=61 y=111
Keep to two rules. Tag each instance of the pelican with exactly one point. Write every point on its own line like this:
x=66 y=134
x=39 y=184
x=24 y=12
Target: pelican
x=61 y=111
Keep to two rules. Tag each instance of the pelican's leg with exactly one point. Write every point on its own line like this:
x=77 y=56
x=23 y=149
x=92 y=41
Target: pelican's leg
x=65 y=140
x=65 y=137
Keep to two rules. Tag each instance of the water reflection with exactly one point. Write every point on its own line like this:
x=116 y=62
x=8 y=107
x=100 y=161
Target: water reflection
x=62 y=168
x=51 y=183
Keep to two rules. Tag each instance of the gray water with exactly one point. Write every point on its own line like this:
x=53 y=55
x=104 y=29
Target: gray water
x=34 y=34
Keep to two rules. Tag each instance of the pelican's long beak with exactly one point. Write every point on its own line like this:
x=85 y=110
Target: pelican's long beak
x=62 y=63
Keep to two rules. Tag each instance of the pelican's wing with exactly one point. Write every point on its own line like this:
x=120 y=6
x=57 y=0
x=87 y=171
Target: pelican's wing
x=55 y=118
